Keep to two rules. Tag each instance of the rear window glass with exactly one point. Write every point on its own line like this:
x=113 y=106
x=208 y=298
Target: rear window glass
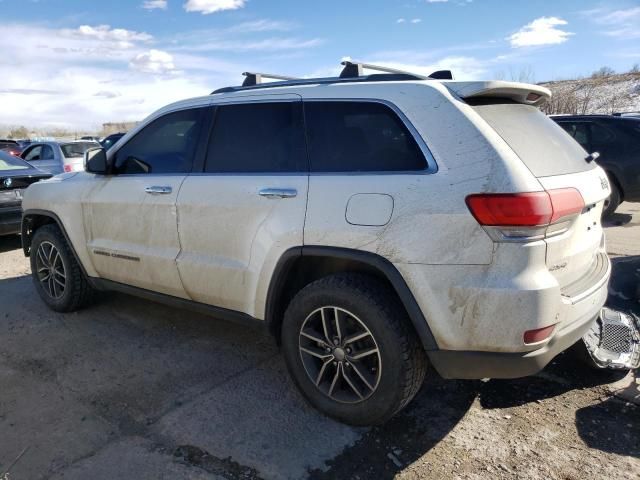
x=70 y=150
x=544 y=147
x=9 y=162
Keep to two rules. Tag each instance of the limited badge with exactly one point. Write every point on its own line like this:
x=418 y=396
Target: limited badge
x=604 y=183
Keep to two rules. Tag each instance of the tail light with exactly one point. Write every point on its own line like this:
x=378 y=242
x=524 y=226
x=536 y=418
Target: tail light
x=538 y=335
x=68 y=168
x=526 y=216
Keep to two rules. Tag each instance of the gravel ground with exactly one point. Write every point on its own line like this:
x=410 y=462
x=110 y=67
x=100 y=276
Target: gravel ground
x=131 y=389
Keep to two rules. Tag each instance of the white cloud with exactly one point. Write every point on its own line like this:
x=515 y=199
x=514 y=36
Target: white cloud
x=80 y=82
x=212 y=6
x=437 y=1
x=117 y=37
x=416 y=20
x=264 y=45
x=400 y=20
x=154 y=4
x=542 y=31
x=621 y=23
x=262 y=25
x=153 y=61
x=620 y=16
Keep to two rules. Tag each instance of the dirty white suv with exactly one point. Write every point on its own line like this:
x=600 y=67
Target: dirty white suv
x=375 y=224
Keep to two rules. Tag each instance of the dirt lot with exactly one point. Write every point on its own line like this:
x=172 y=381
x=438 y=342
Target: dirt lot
x=131 y=389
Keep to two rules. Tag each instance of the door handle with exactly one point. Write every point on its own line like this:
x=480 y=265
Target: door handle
x=278 y=192
x=158 y=190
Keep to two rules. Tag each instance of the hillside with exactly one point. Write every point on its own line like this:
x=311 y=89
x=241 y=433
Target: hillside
x=597 y=94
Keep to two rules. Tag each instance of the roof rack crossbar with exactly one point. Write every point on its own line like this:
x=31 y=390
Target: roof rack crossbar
x=255 y=78
x=354 y=69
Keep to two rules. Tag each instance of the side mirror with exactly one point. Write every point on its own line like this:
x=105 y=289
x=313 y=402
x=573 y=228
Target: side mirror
x=95 y=161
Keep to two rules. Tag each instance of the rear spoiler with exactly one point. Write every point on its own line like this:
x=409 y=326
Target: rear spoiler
x=519 y=92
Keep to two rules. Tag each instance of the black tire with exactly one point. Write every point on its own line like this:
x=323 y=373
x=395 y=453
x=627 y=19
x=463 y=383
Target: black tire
x=613 y=201
x=402 y=361
x=76 y=293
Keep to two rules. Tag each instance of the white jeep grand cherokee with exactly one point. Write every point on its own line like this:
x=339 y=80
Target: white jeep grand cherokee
x=374 y=224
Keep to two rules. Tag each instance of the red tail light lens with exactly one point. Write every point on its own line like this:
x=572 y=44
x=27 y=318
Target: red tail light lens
x=538 y=335
x=68 y=168
x=532 y=209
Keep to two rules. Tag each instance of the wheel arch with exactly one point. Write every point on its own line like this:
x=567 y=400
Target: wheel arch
x=32 y=220
x=299 y=266
x=614 y=178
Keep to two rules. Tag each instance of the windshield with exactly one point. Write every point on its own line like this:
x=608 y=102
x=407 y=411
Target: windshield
x=70 y=150
x=544 y=147
x=9 y=162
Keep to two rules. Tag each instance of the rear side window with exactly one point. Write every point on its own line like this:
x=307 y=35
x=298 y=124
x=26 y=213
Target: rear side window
x=73 y=150
x=601 y=134
x=359 y=137
x=257 y=138
x=166 y=145
x=540 y=143
x=579 y=132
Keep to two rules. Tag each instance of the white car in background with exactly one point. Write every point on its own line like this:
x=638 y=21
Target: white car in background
x=58 y=157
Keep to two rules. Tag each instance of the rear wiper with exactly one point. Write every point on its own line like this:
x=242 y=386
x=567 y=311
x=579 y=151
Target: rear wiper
x=591 y=157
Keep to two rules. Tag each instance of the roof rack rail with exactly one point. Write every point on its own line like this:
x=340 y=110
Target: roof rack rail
x=255 y=78
x=353 y=69
x=351 y=73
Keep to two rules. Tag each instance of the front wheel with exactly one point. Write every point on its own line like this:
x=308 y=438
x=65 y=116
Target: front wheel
x=56 y=274
x=350 y=349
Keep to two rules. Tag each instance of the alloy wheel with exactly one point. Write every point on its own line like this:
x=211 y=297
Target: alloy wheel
x=50 y=270
x=340 y=354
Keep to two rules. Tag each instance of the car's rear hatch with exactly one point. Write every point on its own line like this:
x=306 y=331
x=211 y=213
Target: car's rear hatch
x=574 y=257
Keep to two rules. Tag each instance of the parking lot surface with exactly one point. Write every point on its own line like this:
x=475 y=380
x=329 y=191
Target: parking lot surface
x=132 y=389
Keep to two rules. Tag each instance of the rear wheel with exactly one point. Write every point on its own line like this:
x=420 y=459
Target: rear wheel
x=611 y=203
x=56 y=274
x=350 y=350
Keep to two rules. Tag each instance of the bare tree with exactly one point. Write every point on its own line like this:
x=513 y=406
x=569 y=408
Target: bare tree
x=603 y=72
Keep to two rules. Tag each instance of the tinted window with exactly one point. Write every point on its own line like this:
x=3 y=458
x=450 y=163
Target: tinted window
x=258 y=137
x=7 y=144
x=108 y=142
x=166 y=145
x=359 y=137
x=601 y=134
x=579 y=131
x=539 y=142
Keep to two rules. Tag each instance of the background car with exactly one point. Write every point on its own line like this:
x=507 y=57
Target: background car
x=15 y=176
x=617 y=139
x=58 y=157
x=11 y=146
x=108 y=141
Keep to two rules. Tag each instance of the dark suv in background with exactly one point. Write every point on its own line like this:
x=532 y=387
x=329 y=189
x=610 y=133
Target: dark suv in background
x=617 y=139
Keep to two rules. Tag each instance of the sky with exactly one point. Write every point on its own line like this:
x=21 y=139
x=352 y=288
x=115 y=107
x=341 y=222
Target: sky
x=78 y=63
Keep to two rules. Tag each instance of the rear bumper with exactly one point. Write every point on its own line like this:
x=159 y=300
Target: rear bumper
x=10 y=220
x=475 y=365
